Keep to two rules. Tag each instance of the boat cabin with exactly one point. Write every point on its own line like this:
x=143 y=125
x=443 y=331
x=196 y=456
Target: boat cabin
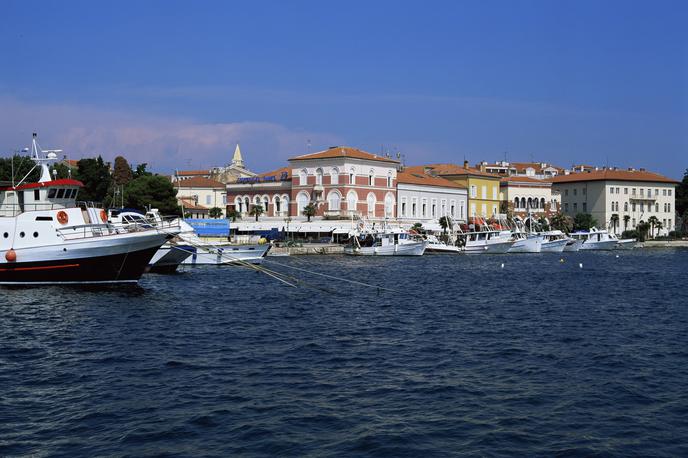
x=47 y=195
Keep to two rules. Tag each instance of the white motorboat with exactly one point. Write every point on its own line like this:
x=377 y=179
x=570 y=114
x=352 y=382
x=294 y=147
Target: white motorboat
x=595 y=239
x=169 y=256
x=48 y=239
x=526 y=243
x=554 y=242
x=213 y=252
x=488 y=242
x=573 y=245
x=436 y=246
x=384 y=244
x=623 y=244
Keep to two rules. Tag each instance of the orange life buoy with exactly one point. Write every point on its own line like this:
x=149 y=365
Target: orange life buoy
x=62 y=217
x=11 y=255
x=103 y=216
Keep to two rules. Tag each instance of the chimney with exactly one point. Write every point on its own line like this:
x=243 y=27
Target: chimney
x=631 y=169
x=483 y=165
x=642 y=169
x=465 y=165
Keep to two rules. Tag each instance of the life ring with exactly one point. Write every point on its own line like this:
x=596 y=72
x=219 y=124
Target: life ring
x=62 y=217
x=103 y=216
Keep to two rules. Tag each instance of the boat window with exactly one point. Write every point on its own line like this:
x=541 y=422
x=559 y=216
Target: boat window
x=36 y=194
x=35 y=235
x=60 y=193
x=51 y=193
x=5 y=235
x=44 y=218
x=21 y=234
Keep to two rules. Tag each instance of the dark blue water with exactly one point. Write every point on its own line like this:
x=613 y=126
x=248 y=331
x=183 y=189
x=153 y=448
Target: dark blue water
x=539 y=358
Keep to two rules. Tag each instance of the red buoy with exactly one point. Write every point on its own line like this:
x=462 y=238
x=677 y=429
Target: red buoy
x=11 y=255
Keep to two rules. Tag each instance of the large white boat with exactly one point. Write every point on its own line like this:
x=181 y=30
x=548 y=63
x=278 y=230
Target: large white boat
x=385 y=243
x=437 y=246
x=526 y=243
x=488 y=242
x=595 y=239
x=48 y=239
x=554 y=242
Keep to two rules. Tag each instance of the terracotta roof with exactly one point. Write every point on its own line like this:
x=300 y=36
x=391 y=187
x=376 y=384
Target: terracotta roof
x=277 y=173
x=454 y=169
x=522 y=179
x=343 y=151
x=190 y=204
x=72 y=163
x=199 y=182
x=617 y=175
x=417 y=175
x=186 y=173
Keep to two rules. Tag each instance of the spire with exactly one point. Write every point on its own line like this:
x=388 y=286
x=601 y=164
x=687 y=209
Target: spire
x=237 y=160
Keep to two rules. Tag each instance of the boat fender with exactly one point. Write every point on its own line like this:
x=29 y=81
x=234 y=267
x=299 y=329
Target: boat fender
x=62 y=217
x=11 y=255
x=103 y=216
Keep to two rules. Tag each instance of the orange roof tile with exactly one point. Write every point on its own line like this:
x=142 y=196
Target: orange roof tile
x=277 y=173
x=522 y=179
x=417 y=175
x=454 y=169
x=343 y=151
x=199 y=182
x=183 y=173
x=190 y=204
x=617 y=175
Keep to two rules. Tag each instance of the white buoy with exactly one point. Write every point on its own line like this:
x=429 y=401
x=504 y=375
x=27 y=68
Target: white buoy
x=617 y=255
x=502 y=265
x=580 y=264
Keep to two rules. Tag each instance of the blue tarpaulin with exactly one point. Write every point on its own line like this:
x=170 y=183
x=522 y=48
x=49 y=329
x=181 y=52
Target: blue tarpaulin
x=209 y=227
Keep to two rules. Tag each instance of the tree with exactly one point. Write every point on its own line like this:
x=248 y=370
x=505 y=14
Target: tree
x=659 y=226
x=445 y=223
x=233 y=215
x=584 y=221
x=257 y=210
x=22 y=166
x=626 y=219
x=615 y=221
x=309 y=211
x=95 y=175
x=543 y=223
x=141 y=171
x=562 y=222
x=682 y=195
x=642 y=229
x=417 y=227
x=152 y=191
x=652 y=221
x=215 y=212
x=122 y=174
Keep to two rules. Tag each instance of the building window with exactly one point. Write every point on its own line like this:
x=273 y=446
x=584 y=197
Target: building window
x=584 y=190
x=575 y=207
x=633 y=222
x=669 y=226
x=669 y=192
x=625 y=206
x=642 y=206
x=566 y=192
x=371 y=178
x=642 y=192
x=617 y=190
x=494 y=210
x=516 y=203
x=566 y=207
x=208 y=200
x=334 y=176
x=433 y=209
x=352 y=177
x=452 y=211
x=474 y=191
x=422 y=207
x=657 y=208
x=664 y=192
x=403 y=208
x=626 y=191
x=334 y=201
x=351 y=201
x=669 y=207
x=278 y=203
x=389 y=181
x=575 y=191
x=484 y=209
x=413 y=209
x=473 y=210
x=389 y=205
x=611 y=190
x=633 y=207
x=484 y=192
x=303 y=177
x=585 y=207
x=494 y=193
x=633 y=192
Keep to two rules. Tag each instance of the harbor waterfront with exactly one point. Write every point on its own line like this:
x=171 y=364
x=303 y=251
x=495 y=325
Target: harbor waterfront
x=518 y=355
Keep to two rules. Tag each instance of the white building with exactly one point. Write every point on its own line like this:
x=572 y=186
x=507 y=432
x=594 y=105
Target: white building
x=203 y=193
x=632 y=195
x=423 y=198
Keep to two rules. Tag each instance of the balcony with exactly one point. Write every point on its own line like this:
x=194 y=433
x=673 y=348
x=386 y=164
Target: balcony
x=637 y=197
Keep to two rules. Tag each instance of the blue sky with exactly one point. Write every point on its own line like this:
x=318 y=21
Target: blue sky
x=177 y=84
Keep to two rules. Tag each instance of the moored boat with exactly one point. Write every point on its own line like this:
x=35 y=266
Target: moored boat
x=595 y=239
x=554 y=242
x=384 y=244
x=488 y=242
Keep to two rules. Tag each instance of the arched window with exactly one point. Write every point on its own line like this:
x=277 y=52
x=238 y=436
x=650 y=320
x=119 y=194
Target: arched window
x=301 y=201
x=389 y=180
x=239 y=205
x=285 y=204
x=247 y=204
x=371 y=178
x=351 y=201
x=278 y=205
x=516 y=203
x=530 y=203
x=523 y=202
x=371 y=204
x=535 y=203
x=389 y=205
x=319 y=177
x=352 y=176
x=542 y=203
x=334 y=176
x=266 y=204
x=303 y=177
x=334 y=201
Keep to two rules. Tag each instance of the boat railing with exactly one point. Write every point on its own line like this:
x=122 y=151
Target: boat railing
x=84 y=231
x=14 y=209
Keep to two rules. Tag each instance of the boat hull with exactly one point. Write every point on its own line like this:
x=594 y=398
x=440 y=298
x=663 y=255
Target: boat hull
x=575 y=246
x=626 y=244
x=553 y=246
x=491 y=248
x=604 y=245
x=527 y=245
x=405 y=249
x=228 y=255
x=168 y=257
x=440 y=248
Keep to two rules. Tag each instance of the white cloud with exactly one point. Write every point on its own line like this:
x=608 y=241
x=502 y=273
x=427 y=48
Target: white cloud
x=164 y=143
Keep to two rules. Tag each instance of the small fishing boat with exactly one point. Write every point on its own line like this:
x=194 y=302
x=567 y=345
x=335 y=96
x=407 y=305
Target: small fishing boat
x=488 y=242
x=595 y=239
x=526 y=243
x=386 y=243
x=437 y=246
x=554 y=242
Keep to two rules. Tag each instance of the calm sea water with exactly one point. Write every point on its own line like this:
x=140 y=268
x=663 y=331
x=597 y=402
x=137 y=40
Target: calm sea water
x=538 y=358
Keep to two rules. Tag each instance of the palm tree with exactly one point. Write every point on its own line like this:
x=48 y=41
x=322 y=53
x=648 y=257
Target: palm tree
x=626 y=218
x=256 y=211
x=652 y=221
x=642 y=229
x=233 y=215
x=659 y=226
x=562 y=222
x=445 y=223
x=309 y=211
x=615 y=222
x=215 y=212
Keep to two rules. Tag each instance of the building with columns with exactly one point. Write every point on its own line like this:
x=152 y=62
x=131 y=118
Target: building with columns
x=523 y=195
x=619 y=199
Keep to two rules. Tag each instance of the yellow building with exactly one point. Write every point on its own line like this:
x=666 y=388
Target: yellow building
x=483 y=188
